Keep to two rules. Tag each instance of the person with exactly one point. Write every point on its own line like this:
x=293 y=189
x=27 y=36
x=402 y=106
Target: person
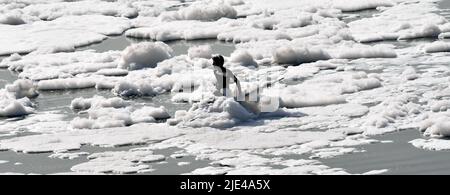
x=250 y=100
x=224 y=78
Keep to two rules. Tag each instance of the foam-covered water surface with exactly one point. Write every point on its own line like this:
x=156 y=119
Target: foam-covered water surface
x=399 y=156
x=359 y=87
x=179 y=47
x=19 y=163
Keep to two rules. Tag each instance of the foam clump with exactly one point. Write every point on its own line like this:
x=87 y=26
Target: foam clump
x=356 y=5
x=437 y=46
x=97 y=102
x=12 y=19
x=427 y=31
x=65 y=84
x=125 y=162
x=130 y=89
x=202 y=51
x=243 y=58
x=201 y=11
x=436 y=125
x=15 y=98
x=222 y=113
x=367 y=52
x=295 y=56
x=308 y=96
x=14 y=108
x=108 y=117
x=22 y=88
x=144 y=55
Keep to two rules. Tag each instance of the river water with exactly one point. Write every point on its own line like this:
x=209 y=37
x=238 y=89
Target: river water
x=399 y=156
x=59 y=101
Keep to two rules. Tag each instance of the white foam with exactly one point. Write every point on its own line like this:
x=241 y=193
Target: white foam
x=332 y=105
x=60 y=65
x=437 y=46
x=355 y=5
x=429 y=30
x=178 y=30
x=22 y=88
x=96 y=102
x=60 y=35
x=14 y=99
x=144 y=55
x=288 y=55
x=70 y=140
x=64 y=84
x=376 y=172
x=304 y=95
x=370 y=52
x=69 y=156
x=127 y=89
x=11 y=19
x=42 y=122
x=53 y=10
x=114 y=162
x=204 y=11
x=202 y=51
x=431 y=144
x=114 y=112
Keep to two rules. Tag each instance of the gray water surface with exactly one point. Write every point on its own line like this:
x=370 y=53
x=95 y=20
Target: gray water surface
x=179 y=47
x=6 y=77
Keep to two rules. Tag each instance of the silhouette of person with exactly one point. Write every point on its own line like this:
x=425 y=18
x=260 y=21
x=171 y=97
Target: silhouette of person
x=224 y=78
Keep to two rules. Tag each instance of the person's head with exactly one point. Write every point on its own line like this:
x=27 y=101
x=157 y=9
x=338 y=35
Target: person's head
x=218 y=61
